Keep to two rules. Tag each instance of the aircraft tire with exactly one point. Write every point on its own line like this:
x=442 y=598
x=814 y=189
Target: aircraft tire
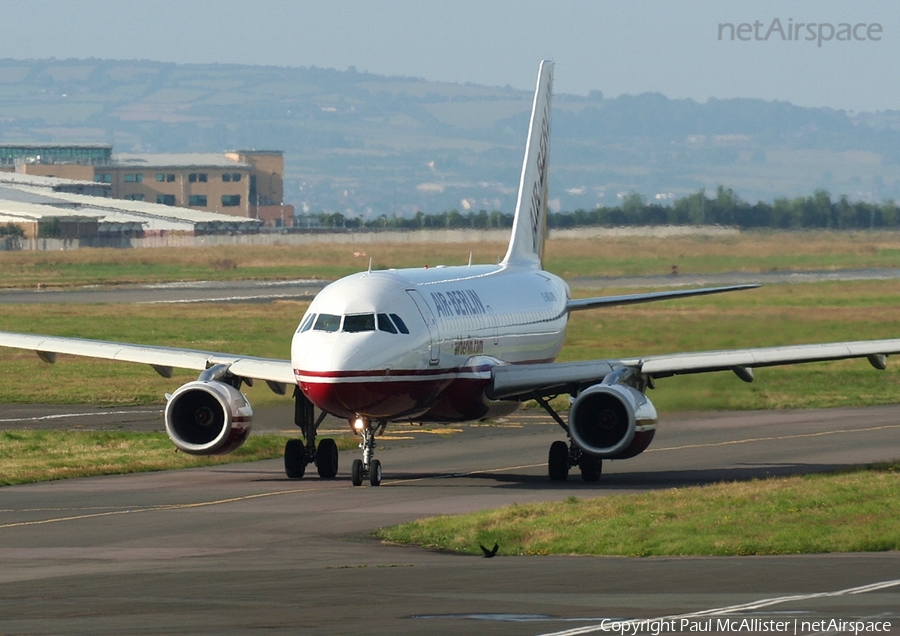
x=294 y=459
x=375 y=473
x=591 y=467
x=558 y=461
x=327 y=459
x=356 y=472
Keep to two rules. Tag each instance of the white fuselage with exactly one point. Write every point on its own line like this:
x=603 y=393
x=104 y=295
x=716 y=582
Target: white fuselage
x=352 y=358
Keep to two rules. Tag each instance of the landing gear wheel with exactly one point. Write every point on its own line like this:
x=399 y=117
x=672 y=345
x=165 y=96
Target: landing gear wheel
x=558 y=461
x=375 y=473
x=356 y=473
x=294 y=459
x=327 y=459
x=591 y=467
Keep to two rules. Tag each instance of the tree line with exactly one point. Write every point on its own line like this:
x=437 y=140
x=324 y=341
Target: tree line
x=817 y=211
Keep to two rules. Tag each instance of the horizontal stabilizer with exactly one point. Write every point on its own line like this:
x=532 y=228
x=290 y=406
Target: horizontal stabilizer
x=634 y=299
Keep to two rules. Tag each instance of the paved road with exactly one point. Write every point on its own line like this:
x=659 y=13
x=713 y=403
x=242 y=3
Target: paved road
x=306 y=289
x=241 y=549
x=190 y=292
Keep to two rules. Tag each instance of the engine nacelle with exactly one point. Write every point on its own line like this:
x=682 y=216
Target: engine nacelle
x=208 y=417
x=612 y=421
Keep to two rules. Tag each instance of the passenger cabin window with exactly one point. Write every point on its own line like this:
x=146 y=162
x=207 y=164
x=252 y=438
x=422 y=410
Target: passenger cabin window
x=400 y=324
x=359 y=322
x=385 y=324
x=307 y=324
x=327 y=322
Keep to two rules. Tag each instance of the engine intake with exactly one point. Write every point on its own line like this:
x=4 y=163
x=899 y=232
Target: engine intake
x=612 y=421
x=208 y=417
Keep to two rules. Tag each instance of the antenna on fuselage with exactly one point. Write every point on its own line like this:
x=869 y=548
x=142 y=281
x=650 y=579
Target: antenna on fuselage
x=470 y=259
x=370 y=265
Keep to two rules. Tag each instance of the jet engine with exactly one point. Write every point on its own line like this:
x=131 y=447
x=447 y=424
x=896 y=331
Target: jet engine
x=612 y=421
x=208 y=417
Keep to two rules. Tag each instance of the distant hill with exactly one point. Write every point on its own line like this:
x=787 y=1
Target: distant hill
x=364 y=144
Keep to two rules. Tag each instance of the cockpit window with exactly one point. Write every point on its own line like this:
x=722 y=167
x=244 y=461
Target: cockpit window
x=307 y=324
x=359 y=322
x=327 y=322
x=400 y=324
x=385 y=324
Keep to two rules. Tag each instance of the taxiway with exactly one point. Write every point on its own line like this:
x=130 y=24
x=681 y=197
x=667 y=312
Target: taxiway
x=242 y=549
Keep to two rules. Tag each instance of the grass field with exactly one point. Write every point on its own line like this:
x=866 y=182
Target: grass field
x=627 y=256
x=776 y=314
x=29 y=456
x=852 y=511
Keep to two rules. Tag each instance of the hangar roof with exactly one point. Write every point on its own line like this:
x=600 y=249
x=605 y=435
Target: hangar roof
x=31 y=203
x=16 y=178
x=176 y=160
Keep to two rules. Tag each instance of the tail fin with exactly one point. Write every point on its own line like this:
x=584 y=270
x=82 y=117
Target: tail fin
x=529 y=225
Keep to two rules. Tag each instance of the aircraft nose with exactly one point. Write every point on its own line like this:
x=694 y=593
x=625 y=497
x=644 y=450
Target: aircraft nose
x=346 y=357
x=331 y=357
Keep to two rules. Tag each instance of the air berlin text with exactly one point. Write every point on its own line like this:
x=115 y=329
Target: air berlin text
x=462 y=302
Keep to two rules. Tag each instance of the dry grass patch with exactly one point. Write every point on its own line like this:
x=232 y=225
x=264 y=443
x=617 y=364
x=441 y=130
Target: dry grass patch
x=749 y=251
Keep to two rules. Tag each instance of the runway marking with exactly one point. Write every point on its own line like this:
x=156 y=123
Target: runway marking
x=65 y=415
x=775 y=438
x=227 y=299
x=395 y=482
x=731 y=609
x=160 y=508
x=217 y=502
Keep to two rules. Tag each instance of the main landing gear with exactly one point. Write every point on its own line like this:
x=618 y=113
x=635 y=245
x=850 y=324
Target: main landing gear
x=564 y=456
x=367 y=467
x=297 y=455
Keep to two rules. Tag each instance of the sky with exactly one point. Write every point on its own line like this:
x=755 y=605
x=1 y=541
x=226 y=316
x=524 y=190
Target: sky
x=614 y=47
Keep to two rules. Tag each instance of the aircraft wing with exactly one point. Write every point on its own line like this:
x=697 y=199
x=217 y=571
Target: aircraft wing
x=162 y=359
x=633 y=299
x=525 y=381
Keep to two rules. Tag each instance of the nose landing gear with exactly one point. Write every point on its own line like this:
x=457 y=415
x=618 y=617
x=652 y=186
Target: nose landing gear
x=367 y=467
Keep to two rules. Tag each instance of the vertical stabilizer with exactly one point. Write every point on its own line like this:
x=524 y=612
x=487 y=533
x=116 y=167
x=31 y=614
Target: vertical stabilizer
x=526 y=246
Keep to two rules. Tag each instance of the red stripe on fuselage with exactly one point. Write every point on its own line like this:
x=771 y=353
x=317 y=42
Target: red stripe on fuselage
x=441 y=394
x=393 y=373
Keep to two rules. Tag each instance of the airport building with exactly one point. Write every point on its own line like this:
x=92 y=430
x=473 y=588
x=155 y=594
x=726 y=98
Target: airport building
x=53 y=208
x=242 y=183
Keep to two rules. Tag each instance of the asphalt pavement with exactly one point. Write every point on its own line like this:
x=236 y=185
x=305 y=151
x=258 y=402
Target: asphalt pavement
x=241 y=549
x=306 y=289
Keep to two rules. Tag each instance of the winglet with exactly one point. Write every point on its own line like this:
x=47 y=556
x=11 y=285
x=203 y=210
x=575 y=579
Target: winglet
x=526 y=246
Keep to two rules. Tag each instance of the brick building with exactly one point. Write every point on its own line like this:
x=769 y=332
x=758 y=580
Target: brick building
x=245 y=183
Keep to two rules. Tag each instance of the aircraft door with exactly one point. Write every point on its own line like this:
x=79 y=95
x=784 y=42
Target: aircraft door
x=492 y=321
x=434 y=334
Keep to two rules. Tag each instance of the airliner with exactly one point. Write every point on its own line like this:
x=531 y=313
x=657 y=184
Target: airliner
x=444 y=344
